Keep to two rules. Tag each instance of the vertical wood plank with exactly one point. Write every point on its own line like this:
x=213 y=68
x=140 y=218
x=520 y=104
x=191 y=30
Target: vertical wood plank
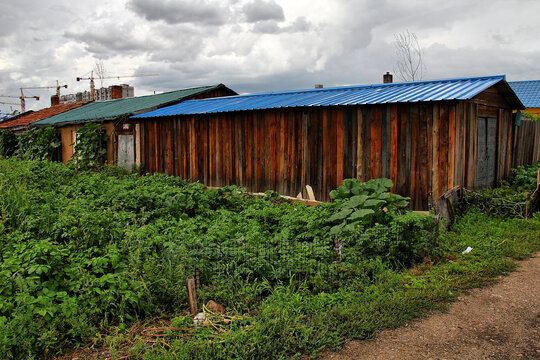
x=324 y=154
x=394 y=145
x=415 y=195
x=354 y=143
x=436 y=153
x=360 y=147
x=451 y=145
x=306 y=160
x=366 y=151
x=423 y=167
x=340 y=160
x=443 y=148
x=376 y=148
x=332 y=155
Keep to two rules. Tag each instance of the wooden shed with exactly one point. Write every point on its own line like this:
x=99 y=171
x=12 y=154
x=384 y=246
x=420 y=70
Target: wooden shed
x=426 y=136
x=20 y=123
x=527 y=134
x=123 y=147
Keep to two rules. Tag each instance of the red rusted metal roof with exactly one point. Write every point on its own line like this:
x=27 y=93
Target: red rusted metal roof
x=27 y=119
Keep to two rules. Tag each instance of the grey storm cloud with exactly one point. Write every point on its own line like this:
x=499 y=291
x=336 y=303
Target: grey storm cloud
x=266 y=27
x=260 y=10
x=301 y=24
x=109 y=40
x=180 y=12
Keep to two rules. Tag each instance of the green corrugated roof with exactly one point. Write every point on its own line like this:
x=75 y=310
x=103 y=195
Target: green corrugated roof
x=103 y=110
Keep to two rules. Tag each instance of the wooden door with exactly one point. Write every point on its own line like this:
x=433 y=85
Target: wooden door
x=487 y=152
x=126 y=151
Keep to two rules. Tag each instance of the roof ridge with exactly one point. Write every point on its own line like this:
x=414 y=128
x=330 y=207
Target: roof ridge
x=418 y=91
x=366 y=86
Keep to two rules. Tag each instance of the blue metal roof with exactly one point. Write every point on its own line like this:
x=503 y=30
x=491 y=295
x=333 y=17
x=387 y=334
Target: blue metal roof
x=528 y=92
x=434 y=90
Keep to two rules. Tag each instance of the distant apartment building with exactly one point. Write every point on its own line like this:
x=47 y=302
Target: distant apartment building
x=109 y=93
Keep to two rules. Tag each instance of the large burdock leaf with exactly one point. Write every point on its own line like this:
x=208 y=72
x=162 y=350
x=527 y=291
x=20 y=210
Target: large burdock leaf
x=356 y=201
x=374 y=203
x=340 y=215
x=360 y=214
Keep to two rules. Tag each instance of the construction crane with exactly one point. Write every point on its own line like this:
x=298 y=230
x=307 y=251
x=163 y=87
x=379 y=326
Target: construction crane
x=91 y=78
x=57 y=87
x=22 y=97
x=9 y=103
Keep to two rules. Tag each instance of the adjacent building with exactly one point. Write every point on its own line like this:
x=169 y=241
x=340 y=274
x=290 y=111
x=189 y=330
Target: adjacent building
x=109 y=93
x=21 y=122
x=123 y=147
x=527 y=134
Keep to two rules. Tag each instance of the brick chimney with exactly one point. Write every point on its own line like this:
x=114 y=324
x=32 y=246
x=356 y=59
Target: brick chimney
x=55 y=100
x=116 y=92
x=387 y=78
x=319 y=86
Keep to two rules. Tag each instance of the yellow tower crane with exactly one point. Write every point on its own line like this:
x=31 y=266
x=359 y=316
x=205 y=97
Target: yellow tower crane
x=57 y=87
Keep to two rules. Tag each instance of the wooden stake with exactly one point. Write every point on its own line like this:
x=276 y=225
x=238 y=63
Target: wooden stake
x=311 y=195
x=192 y=295
x=527 y=205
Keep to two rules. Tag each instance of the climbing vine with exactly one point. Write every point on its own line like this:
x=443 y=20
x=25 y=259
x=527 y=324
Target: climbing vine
x=39 y=144
x=90 y=147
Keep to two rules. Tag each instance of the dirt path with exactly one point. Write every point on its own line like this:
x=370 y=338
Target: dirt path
x=497 y=322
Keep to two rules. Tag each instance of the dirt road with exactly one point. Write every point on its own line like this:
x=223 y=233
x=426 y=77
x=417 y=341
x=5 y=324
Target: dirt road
x=497 y=322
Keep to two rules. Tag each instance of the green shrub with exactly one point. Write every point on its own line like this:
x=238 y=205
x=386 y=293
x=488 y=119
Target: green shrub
x=509 y=200
x=524 y=178
x=8 y=143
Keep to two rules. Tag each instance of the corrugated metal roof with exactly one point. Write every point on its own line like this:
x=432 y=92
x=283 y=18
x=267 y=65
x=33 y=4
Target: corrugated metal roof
x=434 y=90
x=528 y=92
x=103 y=110
x=34 y=116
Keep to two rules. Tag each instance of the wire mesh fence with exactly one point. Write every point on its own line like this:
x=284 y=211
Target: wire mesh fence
x=276 y=260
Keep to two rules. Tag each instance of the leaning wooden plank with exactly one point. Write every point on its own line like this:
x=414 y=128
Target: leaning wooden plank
x=311 y=194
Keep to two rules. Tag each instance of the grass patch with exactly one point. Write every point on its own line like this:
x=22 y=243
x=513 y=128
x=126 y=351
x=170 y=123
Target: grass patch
x=295 y=322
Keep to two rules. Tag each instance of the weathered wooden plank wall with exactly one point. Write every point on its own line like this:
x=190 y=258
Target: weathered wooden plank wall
x=425 y=148
x=526 y=143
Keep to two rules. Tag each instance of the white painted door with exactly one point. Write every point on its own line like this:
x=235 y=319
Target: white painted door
x=126 y=151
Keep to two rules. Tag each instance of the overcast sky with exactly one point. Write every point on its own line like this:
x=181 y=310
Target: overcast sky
x=257 y=45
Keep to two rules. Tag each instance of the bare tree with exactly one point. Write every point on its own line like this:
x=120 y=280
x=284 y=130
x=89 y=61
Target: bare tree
x=410 y=60
x=99 y=70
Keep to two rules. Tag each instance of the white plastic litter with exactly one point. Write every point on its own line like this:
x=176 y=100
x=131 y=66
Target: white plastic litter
x=467 y=250
x=199 y=319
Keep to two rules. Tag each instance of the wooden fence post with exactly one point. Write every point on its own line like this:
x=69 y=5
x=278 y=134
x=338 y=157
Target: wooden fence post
x=192 y=295
x=527 y=205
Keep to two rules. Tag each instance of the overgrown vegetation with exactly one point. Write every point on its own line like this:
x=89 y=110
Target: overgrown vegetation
x=531 y=116
x=90 y=147
x=8 y=143
x=85 y=255
x=510 y=199
x=39 y=144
